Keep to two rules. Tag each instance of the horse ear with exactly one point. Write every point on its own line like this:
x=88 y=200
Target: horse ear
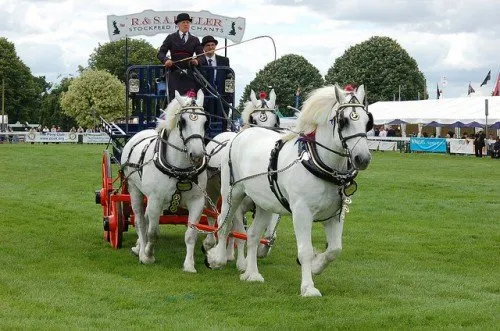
x=200 y=97
x=272 y=99
x=360 y=93
x=179 y=98
x=339 y=93
x=253 y=98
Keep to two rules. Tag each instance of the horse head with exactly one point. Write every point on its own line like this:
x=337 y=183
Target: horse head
x=261 y=112
x=186 y=120
x=351 y=122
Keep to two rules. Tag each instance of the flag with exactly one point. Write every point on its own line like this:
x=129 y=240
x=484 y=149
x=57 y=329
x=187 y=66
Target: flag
x=471 y=90
x=438 y=92
x=496 y=90
x=486 y=79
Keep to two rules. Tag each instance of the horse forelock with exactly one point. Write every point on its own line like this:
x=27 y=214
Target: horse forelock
x=169 y=119
x=317 y=109
x=247 y=111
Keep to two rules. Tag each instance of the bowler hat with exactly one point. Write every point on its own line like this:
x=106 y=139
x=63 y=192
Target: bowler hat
x=208 y=39
x=183 y=17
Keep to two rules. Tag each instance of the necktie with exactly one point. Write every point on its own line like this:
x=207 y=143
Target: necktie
x=184 y=38
x=212 y=72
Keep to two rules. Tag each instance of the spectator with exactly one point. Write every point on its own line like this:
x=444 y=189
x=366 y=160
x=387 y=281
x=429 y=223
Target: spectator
x=391 y=132
x=382 y=132
x=496 y=149
x=80 y=134
x=479 y=143
x=181 y=45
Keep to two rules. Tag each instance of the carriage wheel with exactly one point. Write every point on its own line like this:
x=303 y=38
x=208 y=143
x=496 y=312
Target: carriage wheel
x=106 y=190
x=116 y=225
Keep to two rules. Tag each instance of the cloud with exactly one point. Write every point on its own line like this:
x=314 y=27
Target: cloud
x=457 y=39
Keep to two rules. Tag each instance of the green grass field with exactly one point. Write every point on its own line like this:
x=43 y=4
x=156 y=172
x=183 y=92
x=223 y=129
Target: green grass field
x=421 y=251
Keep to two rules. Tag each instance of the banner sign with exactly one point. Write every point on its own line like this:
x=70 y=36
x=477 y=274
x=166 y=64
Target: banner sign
x=95 y=138
x=151 y=22
x=377 y=145
x=431 y=145
x=461 y=146
x=51 y=137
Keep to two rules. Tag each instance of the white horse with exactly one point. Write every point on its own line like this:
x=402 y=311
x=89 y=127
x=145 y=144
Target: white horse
x=308 y=176
x=163 y=165
x=257 y=112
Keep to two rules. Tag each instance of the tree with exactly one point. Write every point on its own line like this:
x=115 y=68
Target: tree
x=383 y=66
x=51 y=112
x=111 y=56
x=22 y=90
x=94 y=93
x=285 y=75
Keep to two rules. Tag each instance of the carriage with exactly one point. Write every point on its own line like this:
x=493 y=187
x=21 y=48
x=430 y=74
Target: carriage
x=308 y=173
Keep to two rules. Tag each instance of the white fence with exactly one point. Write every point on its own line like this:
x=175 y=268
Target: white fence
x=55 y=137
x=396 y=144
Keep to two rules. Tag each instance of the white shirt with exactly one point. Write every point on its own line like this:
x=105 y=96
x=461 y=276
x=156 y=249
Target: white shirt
x=214 y=64
x=181 y=33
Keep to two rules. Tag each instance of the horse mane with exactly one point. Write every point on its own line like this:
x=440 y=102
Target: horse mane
x=247 y=111
x=316 y=110
x=169 y=119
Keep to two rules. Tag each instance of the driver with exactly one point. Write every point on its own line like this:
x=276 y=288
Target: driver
x=181 y=45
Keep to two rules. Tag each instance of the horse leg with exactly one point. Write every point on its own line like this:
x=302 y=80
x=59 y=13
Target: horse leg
x=333 y=229
x=270 y=234
x=137 y=204
x=217 y=257
x=302 y=225
x=195 y=207
x=213 y=191
x=238 y=226
x=153 y=211
x=259 y=224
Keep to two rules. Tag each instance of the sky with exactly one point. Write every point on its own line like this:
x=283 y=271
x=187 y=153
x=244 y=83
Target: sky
x=452 y=41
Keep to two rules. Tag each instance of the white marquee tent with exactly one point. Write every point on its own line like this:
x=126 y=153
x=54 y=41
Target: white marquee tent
x=442 y=111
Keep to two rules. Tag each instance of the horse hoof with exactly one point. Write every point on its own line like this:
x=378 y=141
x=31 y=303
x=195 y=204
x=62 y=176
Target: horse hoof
x=256 y=277
x=191 y=270
x=263 y=251
x=206 y=262
x=298 y=262
x=311 y=292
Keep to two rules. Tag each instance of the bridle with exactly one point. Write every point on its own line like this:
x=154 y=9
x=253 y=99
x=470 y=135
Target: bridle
x=262 y=116
x=340 y=121
x=193 y=110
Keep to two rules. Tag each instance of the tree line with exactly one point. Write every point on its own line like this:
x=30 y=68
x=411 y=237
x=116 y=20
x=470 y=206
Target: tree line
x=379 y=63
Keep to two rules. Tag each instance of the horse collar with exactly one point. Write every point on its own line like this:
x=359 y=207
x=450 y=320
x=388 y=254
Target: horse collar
x=182 y=174
x=318 y=168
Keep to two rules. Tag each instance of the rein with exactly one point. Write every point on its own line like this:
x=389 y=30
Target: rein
x=225 y=47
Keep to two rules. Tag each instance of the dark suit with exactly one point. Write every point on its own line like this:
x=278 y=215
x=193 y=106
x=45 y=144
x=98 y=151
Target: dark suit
x=479 y=144
x=212 y=104
x=178 y=80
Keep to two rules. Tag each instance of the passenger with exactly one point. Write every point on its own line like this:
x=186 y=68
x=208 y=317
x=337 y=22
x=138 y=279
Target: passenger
x=216 y=78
